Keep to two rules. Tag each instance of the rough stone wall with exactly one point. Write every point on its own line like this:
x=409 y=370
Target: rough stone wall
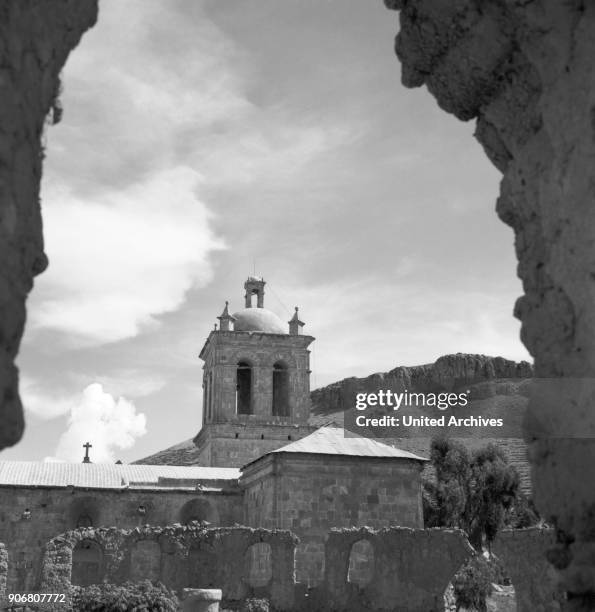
x=3 y=569
x=37 y=36
x=312 y=494
x=523 y=553
x=525 y=71
x=237 y=443
x=181 y=557
x=412 y=568
x=58 y=510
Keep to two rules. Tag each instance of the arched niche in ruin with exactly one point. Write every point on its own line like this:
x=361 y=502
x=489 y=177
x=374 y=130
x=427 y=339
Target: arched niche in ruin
x=361 y=563
x=87 y=563
x=258 y=564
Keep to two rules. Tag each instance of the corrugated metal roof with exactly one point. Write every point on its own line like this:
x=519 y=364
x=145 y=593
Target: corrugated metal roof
x=338 y=441
x=107 y=475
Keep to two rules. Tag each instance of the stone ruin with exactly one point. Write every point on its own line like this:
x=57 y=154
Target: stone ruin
x=408 y=569
x=396 y=568
x=524 y=70
x=241 y=561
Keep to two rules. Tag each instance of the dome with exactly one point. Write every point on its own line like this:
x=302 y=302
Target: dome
x=259 y=319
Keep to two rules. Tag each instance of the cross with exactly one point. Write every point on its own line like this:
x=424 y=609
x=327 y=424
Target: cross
x=87 y=446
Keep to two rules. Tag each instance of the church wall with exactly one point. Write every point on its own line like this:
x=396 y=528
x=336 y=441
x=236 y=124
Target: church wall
x=310 y=494
x=56 y=510
x=219 y=446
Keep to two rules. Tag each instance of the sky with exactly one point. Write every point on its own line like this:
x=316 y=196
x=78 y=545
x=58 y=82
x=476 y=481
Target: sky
x=203 y=141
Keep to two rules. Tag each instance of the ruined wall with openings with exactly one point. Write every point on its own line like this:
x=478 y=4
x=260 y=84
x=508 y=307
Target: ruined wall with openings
x=53 y=510
x=402 y=569
x=242 y=562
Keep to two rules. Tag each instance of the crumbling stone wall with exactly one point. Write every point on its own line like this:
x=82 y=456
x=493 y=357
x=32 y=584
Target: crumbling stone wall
x=523 y=553
x=525 y=71
x=37 y=36
x=3 y=569
x=180 y=557
x=412 y=568
x=56 y=510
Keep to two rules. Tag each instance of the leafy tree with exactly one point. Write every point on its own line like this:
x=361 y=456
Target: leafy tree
x=473 y=491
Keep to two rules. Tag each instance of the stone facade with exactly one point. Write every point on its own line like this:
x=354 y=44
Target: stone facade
x=56 y=510
x=238 y=443
x=310 y=494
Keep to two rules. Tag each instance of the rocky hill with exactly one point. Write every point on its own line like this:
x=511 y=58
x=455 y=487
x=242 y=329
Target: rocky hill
x=497 y=388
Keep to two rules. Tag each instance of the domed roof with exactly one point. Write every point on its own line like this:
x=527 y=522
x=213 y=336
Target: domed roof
x=258 y=319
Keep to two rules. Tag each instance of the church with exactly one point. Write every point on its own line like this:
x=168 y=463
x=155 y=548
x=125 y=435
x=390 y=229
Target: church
x=256 y=462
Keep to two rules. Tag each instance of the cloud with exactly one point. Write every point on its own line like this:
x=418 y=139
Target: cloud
x=40 y=404
x=118 y=261
x=109 y=424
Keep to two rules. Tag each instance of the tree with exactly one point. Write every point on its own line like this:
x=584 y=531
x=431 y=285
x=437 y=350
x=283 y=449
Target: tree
x=472 y=491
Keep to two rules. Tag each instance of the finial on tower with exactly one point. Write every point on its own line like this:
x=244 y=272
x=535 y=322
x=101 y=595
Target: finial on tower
x=295 y=325
x=225 y=318
x=254 y=286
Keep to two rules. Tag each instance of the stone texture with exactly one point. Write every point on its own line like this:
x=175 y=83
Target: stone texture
x=310 y=496
x=412 y=568
x=37 y=36
x=56 y=510
x=523 y=553
x=188 y=557
x=3 y=569
x=525 y=71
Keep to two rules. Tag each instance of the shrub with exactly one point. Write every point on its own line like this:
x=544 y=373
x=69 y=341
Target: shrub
x=128 y=597
x=473 y=584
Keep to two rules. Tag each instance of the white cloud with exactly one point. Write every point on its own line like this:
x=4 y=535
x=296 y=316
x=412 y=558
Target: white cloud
x=109 y=424
x=40 y=404
x=116 y=262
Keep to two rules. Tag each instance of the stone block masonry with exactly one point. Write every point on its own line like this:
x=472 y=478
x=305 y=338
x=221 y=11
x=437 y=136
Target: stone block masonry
x=37 y=36
x=56 y=510
x=310 y=494
x=178 y=556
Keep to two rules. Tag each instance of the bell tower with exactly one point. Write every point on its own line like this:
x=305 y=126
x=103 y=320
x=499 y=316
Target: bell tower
x=256 y=383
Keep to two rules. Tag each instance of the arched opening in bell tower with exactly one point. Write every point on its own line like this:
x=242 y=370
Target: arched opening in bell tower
x=280 y=389
x=244 y=388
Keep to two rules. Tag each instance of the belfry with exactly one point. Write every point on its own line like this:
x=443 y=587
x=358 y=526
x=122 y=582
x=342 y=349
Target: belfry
x=256 y=383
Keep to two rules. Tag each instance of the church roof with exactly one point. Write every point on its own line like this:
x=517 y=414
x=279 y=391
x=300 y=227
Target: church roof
x=258 y=319
x=338 y=441
x=110 y=475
